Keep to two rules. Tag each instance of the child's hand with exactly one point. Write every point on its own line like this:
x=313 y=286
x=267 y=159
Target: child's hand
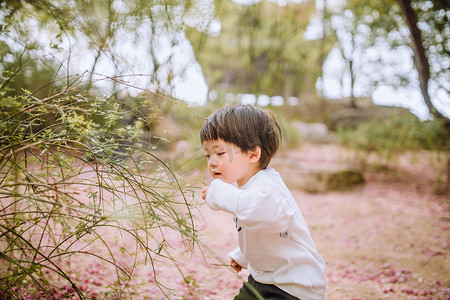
x=237 y=267
x=204 y=191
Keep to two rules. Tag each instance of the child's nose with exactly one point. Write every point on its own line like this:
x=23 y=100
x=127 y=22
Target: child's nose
x=212 y=161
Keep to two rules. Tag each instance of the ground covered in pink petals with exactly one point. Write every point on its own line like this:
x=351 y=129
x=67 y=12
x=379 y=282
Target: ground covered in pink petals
x=386 y=239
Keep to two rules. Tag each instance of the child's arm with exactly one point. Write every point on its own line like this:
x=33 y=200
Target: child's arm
x=214 y=197
x=262 y=208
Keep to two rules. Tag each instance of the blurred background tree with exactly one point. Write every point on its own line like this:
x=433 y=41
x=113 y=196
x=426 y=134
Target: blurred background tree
x=421 y=26
x=261 y=49
x=103 y=34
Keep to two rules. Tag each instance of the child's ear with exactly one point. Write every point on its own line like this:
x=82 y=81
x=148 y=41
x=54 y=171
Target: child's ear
x=255 y=154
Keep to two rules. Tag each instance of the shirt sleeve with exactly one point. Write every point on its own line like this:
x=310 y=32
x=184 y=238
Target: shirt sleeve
x=222 y=196
x=239 y=257
x=261 y=208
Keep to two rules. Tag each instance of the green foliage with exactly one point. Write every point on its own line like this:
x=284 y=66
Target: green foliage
x=260 y=49
x=70 y=37
x=291 y=137
x=395 y=134
x=72 y=172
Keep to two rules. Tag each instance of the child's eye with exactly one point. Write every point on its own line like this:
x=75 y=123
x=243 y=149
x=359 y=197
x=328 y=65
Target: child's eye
x=206 y=156
x=220 y=153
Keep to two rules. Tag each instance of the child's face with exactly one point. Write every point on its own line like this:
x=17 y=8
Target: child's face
x=227 y=162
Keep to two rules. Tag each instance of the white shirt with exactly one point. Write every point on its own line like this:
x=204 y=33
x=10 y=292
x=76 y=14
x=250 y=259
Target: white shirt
x=274 y=240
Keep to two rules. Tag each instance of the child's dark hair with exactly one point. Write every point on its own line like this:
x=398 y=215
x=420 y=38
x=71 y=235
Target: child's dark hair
x=247 y=127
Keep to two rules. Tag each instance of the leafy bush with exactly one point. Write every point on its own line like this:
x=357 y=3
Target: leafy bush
x=71 y=172
x=395 y=134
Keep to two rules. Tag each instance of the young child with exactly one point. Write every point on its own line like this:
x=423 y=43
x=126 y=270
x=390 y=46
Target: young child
x=274 y=241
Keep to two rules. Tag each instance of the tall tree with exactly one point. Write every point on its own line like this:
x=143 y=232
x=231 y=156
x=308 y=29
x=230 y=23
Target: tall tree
x=387 y=22
x=327 y=32
x=420 y=56
x=260 y=49
x=350 y=49
x=124 y=37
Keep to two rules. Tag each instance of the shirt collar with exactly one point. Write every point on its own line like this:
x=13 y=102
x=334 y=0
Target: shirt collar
x=258 y=174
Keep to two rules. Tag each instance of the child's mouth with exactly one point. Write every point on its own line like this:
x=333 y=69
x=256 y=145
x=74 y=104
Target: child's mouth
x=216 y=174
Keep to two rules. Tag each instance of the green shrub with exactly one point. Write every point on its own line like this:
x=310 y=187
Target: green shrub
x=395 y=134
x=71 y=172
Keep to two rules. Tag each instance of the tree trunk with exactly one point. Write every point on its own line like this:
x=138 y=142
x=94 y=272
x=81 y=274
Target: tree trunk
x=322 y=57
x=420 y=58
x=447 y=186
x=352 y=84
